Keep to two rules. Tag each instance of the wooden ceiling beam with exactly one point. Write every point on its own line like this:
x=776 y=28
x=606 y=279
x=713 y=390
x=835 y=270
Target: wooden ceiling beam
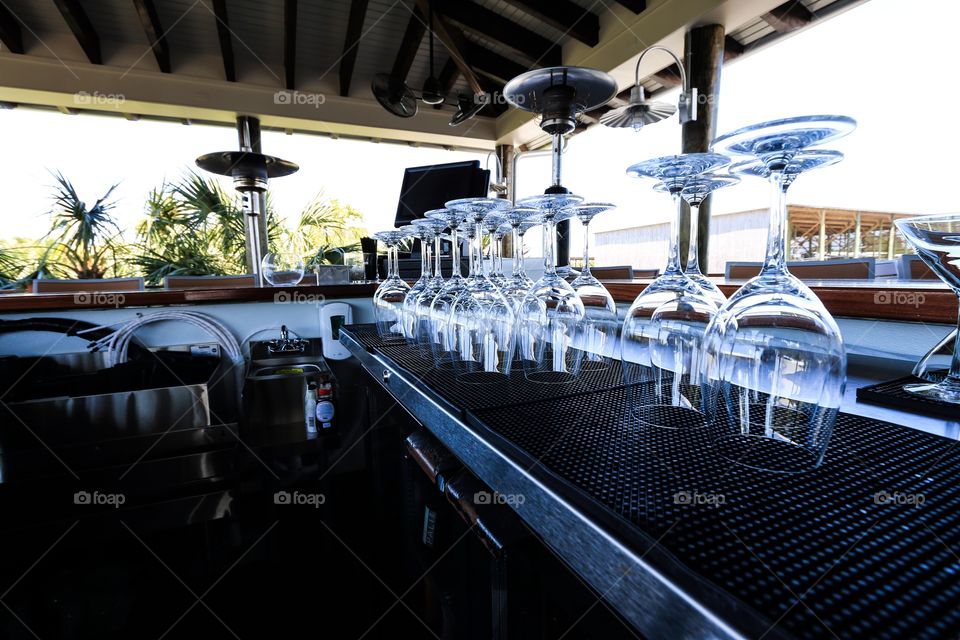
x=10 y=33
x=492 y=64
x=456 y=44
x=76 y=18
x=564 y=15
x=788 y=16
x=150 y=21
x=224 y=36
x=416 y=28
x=290 y=43
x=490 y=24
x=637 y=6
x=732 y=48
x=351 y=44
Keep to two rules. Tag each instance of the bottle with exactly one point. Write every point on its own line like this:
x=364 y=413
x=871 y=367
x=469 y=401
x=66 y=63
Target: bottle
x=310 y=407
x=325 y=409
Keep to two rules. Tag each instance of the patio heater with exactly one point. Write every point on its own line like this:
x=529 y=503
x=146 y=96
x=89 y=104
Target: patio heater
x=250 y=171
x=558 y=95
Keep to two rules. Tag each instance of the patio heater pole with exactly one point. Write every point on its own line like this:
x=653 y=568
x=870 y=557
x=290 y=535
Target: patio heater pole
x=248 y=133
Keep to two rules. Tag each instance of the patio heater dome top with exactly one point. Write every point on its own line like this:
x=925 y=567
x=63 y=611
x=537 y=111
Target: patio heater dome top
x=560 y=94
x=249 y=170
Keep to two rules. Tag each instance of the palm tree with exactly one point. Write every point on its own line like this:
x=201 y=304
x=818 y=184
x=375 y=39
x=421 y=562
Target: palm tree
x=325 y=230
x=83 y=238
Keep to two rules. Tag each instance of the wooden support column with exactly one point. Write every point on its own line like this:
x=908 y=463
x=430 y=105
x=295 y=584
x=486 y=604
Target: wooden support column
x=703 y=59
x=822 y=245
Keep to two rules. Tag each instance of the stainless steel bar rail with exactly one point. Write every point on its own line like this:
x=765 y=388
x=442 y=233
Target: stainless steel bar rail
x=650 y=589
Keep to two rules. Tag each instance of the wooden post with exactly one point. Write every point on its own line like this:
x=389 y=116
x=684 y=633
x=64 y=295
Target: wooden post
x=704 y=61
x=822 y=248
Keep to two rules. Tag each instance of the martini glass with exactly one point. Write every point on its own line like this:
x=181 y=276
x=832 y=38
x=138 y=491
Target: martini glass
x=662 y=338
x=937 y=241
x=481 y=320
x=551 y=315
x=695 y=191
x=601 y=325
x=774 y=365
x=442 y=303
x=389 y=297
x=421 y=306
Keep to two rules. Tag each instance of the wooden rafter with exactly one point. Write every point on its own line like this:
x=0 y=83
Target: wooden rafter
x=490 y=24
x=224 y=36
x=150 y=21
x=416 y=27
x=351 y=44
x=10 y=33
x=564 y=15
x=290 y=43
x=76 y=18
x=493 y=64
x=788 y=16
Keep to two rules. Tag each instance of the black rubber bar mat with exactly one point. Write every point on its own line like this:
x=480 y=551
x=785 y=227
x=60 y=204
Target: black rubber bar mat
x=457 y=397
x=368 y=336
x=891 y=394
x=865 y=546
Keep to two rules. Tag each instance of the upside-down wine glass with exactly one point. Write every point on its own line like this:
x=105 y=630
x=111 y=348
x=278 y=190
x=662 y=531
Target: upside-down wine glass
x=600 y=323
x=425 y=235
x=442 y=303
x=495 y=231
x=389 y=296
x=481 y=320
x=937 y=241
x=519 y=221
x=552 y=314
x=662 y=338
x=775 y=365
x=421 y=306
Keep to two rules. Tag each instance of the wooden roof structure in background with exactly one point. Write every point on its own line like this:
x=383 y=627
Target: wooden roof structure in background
x=197 y=60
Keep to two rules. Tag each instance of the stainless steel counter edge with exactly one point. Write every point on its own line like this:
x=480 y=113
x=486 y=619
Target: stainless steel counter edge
x=663 y=601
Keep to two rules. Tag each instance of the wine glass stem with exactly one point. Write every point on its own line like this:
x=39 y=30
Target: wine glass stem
x=549 y=239
x=673 y=259
x=586 y=248
x=436 y=256
x=455 y=253
x=476 y=265
x=776 y=260
x=424 y=259
x=497 y=252
x=517 y=252
x=393 y=259
x=693 y=257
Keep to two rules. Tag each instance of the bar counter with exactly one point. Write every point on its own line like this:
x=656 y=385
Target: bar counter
x=913 y=301
x=792 y=555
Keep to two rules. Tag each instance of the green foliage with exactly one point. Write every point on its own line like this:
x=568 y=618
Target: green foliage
x=84 y=240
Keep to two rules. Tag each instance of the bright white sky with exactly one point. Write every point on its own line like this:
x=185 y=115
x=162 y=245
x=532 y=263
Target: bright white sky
x=883 y=63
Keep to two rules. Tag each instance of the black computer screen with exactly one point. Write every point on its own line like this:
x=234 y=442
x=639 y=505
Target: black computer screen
x=428 y=187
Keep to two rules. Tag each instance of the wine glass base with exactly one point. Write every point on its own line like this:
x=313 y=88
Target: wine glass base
x=942 y=391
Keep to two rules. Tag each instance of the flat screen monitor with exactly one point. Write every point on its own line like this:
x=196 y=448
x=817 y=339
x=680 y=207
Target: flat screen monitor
x=428 y=187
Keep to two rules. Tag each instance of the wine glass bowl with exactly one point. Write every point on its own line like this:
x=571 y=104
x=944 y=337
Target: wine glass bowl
x=282 y=269
x=937 y=241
